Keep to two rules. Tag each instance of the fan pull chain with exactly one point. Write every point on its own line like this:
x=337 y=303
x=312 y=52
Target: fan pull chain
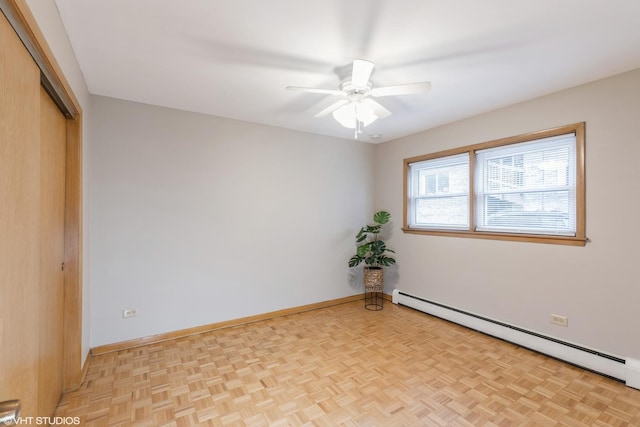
x=358 y=127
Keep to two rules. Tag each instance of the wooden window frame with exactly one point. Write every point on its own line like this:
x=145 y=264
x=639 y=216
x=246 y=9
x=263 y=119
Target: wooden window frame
x=579 y=239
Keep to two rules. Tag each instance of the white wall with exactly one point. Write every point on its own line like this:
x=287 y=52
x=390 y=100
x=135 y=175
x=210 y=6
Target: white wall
x=198 y=219
x=46 y=14
x=597 y=287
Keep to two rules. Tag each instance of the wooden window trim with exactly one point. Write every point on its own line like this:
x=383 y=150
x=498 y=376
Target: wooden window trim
x=579 y=239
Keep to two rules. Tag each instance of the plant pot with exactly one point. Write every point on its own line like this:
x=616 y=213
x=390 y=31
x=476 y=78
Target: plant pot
x=373 y=279
x=373 y=282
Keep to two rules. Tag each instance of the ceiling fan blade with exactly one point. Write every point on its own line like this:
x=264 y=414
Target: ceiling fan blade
x=361 y=72
x=406 y=89
x=315 y=90
x=377 y=109
x=331 y=108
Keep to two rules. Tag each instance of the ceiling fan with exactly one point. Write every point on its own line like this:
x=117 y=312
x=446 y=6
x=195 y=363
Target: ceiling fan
x=358 y=109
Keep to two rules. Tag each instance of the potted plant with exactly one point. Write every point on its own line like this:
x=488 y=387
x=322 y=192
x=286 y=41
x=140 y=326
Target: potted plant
x=373 y=251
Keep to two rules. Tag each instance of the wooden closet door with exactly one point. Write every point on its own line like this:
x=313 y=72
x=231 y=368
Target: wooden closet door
x=19 y=221
x=52 y=193
x=32 y=206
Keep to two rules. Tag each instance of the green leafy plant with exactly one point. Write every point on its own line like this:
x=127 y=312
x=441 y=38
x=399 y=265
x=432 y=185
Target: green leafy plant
x=370 y=248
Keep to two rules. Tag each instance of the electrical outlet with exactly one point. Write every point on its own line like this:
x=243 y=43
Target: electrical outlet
x=559 y=320
x=129 y=312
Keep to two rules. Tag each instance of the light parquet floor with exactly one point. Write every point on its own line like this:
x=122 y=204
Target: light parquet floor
x=347 y=366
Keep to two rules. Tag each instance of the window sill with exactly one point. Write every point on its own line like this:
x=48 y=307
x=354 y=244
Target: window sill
x=553 y=240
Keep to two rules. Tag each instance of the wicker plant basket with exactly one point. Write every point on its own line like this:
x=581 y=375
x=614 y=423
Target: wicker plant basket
x=373 y=279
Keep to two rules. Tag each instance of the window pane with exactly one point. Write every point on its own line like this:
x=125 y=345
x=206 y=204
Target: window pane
x=440 y=193
x=527 y=187
x=443 y=212
x=506 y=213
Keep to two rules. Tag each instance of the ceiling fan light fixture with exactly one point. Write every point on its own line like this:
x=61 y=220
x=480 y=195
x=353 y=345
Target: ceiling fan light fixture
x=365 y=114
x=350 y=114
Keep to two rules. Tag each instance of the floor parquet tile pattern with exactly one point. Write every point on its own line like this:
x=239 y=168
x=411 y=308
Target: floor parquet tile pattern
x=345 y=366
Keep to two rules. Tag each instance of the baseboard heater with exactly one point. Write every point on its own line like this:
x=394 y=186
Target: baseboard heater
x=623 y=369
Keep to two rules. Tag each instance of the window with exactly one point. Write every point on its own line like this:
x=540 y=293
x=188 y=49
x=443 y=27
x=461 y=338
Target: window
x=441 y=192
x=528 y=188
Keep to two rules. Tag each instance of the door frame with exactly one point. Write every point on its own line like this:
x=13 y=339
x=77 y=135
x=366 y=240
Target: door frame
x=55 y=83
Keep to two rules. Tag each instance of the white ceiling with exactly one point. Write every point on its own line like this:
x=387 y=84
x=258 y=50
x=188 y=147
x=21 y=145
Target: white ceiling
x=234 y=58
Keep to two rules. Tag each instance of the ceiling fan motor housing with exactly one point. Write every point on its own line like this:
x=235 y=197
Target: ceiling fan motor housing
x=353 y=93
